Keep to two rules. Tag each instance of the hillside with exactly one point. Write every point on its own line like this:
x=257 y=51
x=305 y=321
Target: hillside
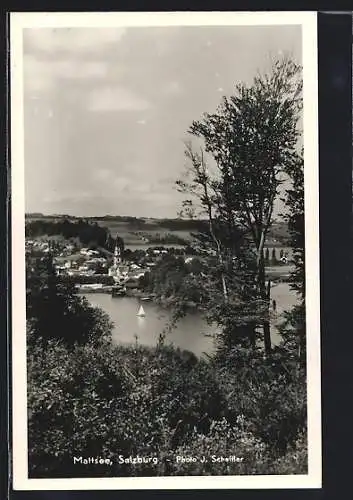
x=138 y=231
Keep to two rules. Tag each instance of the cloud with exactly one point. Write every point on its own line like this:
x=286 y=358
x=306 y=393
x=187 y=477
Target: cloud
x=70 y=40
x=43 y=75
x=153 y=82
x=54 y=55
x=115 y=98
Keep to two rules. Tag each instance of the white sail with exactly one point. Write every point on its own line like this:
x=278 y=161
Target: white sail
x=141 y=312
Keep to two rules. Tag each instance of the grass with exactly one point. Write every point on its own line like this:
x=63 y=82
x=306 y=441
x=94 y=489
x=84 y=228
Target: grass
x=148 y=230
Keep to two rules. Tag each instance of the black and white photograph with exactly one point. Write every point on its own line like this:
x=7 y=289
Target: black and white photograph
x=165 y=251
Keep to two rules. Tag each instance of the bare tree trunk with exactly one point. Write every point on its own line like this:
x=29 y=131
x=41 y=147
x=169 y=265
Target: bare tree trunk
x=265 y=291
x=301 y=347
x=212 y=232
x=267 y=328
x=265 y=294
x=221 y=263
x=200 y=170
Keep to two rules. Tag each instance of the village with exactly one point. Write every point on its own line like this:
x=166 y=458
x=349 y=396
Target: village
x=124 y=271
x=98 y=270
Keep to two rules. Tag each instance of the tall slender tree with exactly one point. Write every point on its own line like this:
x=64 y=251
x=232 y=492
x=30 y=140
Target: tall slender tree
x=249 y=141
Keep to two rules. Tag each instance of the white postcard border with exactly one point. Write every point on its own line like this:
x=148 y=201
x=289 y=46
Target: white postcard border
x=308 y=21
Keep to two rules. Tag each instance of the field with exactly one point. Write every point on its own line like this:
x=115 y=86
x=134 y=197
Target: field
x=141 y=231
x=133 y=234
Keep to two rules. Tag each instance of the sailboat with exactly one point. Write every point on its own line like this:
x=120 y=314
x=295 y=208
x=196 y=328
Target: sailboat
x=141 y=312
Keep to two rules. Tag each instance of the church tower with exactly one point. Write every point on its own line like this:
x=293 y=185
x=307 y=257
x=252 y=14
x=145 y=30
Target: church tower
x=114 y=269
x=117 y=256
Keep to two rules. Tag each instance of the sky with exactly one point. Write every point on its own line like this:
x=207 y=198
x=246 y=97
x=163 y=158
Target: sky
x=107 y=110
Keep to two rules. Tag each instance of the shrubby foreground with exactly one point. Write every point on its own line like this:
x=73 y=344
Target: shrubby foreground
x=107 y=401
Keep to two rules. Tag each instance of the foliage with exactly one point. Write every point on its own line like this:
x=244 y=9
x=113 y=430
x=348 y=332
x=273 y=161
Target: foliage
x=55 y=311
x=109 y=400
x=89 y=233
x=234 y=449
x=82 y=279
x=196 y=283
x=270 y=393
x=174 y=282
x=293 y=329
x=235 y=178
x=294 y=200
x=89 y=398
x=295 y=459
x=248 y=454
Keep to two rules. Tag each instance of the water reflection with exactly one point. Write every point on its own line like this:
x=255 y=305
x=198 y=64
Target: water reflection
x=191 y=333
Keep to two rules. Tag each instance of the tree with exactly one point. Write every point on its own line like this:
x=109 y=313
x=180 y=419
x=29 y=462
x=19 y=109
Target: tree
x=274 y=257
x=227 y=281
x=55 y=311
x=249 y=140
x=267 y=255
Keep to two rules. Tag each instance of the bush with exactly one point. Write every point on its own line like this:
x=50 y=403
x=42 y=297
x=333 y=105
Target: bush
x=74 y=398
x=88 y=398
x=295 y=461
x=105 y=401
x=225 y=449
x=269 y=393
x=55 y=311
x=81 y=279
x=98 y=401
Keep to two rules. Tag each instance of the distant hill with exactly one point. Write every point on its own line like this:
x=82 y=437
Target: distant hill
x=127 y=226
x=35 y=215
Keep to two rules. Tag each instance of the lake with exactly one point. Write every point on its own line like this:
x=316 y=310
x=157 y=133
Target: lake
x=191 y=333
